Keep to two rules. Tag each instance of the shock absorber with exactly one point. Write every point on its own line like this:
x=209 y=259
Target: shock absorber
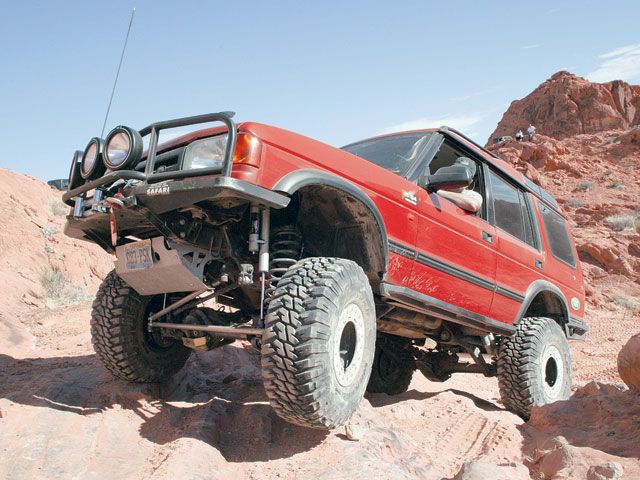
x=286 y=250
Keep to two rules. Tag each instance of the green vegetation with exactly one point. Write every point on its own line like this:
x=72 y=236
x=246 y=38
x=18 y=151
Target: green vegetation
x=49 y=230
x=53 y=283
x=58 y=291
x=626 y=302
x=585 y=186
x=627 y=221
x=574 y=202
x=617 y=185
x=57 y=208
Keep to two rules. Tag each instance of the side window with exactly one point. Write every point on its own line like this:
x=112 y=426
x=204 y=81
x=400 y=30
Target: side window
x=446 y=156
x=529 y=236
x=558 y=236
x=511 y=210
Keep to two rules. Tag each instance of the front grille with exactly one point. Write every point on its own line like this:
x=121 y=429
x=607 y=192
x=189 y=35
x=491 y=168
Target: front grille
x=165 y=162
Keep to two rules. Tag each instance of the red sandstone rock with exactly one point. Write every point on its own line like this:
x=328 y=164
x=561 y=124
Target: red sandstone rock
x=567 y=105
x=629 y=362
x=479 y=470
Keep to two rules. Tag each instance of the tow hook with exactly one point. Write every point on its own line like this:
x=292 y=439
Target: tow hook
x=116 y=204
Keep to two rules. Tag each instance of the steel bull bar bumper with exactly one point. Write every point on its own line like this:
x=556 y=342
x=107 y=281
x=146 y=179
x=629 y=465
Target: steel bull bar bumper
x=150 y=193
x=193 y=187
x=144 y=202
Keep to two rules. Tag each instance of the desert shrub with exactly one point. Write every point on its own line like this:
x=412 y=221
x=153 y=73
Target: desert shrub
x=49 y=230
x=75 y=294
x=574 y=203
x=585 y=186
x=617 y=185
x=53 y=282
x=626 y=302
x=621 y=222
x=57 y=208
x=58 y=290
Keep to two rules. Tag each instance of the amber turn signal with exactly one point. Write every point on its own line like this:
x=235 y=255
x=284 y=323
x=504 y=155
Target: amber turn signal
x=248 y=150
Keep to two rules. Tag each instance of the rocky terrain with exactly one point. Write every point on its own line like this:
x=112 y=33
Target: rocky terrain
x=62 y=415
x=566 y=105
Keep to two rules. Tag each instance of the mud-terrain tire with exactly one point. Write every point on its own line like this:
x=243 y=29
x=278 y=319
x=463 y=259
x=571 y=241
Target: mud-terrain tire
x=319 y=342
x=120 y=337
x=534 y=366
x=391 y=372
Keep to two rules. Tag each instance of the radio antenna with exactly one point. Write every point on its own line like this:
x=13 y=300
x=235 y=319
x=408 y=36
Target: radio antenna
x=115 y=82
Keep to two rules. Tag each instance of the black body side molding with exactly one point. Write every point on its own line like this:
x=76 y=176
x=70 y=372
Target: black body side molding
x=445 y=310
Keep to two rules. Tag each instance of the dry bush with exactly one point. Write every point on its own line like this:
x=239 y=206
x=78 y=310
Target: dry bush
x=49 y=230
x=626 y=302
x=584 y=186
x=59 y=292
x=617 y=185
x=57 y=208
x=621 y=222
x=53 y=282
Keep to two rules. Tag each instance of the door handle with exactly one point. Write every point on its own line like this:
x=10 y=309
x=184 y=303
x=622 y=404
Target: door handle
x=487 y=237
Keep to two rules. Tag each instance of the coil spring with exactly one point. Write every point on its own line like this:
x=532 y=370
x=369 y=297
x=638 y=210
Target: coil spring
x=286 y=249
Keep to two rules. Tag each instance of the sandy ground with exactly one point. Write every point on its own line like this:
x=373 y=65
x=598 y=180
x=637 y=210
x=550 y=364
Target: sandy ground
x=64 y=416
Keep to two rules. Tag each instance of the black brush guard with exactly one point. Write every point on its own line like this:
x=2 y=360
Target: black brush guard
x=148 y=176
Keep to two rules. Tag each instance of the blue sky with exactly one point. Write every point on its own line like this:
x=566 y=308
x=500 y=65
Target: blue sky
x=336 y=71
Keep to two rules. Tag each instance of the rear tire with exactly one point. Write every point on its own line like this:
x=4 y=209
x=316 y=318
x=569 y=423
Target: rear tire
x=120 y=338
x=319 y=342
x=534 y=366
x=391 y=372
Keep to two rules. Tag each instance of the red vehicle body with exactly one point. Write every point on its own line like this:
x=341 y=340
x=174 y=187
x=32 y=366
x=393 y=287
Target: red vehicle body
x=421 y=253
x=509 y=266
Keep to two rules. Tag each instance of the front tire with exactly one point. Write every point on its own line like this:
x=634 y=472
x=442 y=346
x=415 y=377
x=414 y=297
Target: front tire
x=120 y=338
x=534 y=366
x=319 y=343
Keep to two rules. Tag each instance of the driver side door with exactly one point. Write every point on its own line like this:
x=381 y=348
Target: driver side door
x=456 y=256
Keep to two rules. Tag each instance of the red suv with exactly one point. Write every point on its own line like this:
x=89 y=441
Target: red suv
x=348 y=268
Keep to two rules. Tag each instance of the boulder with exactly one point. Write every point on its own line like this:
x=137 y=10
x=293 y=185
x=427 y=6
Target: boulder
x=566 y=105
x=629 y=362
x=607 y=471
x=479 y=470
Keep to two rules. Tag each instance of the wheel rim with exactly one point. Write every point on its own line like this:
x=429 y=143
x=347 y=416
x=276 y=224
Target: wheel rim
x=552 y=372
x=153 y=339
x=348 y=345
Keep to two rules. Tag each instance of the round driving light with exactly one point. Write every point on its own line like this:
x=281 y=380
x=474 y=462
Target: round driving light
x=74 y=172
x=91 y=165
x=123 y=148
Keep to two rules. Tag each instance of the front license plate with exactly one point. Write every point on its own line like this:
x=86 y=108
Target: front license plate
x=138 y=255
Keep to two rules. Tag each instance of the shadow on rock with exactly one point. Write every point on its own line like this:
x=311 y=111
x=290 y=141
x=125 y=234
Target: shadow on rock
x=216 y=398
x=600 y=416
x=383 y=400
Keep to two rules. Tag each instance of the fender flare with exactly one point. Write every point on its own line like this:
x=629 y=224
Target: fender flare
x=536 y=288
x=294 y=181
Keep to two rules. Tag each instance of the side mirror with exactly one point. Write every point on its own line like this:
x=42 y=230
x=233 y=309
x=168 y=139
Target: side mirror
x=455 y=176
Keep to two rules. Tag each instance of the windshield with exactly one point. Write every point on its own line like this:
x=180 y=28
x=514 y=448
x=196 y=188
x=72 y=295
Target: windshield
x=396 y=153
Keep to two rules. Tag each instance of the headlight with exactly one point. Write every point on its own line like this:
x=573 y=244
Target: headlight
x=205 y=153
x=123 y=148
x=91 y=166
x=74 y=172
x=209 y=152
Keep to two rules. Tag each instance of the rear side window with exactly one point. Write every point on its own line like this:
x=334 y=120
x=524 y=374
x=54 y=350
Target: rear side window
x=558 y=236
x=511 y=211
